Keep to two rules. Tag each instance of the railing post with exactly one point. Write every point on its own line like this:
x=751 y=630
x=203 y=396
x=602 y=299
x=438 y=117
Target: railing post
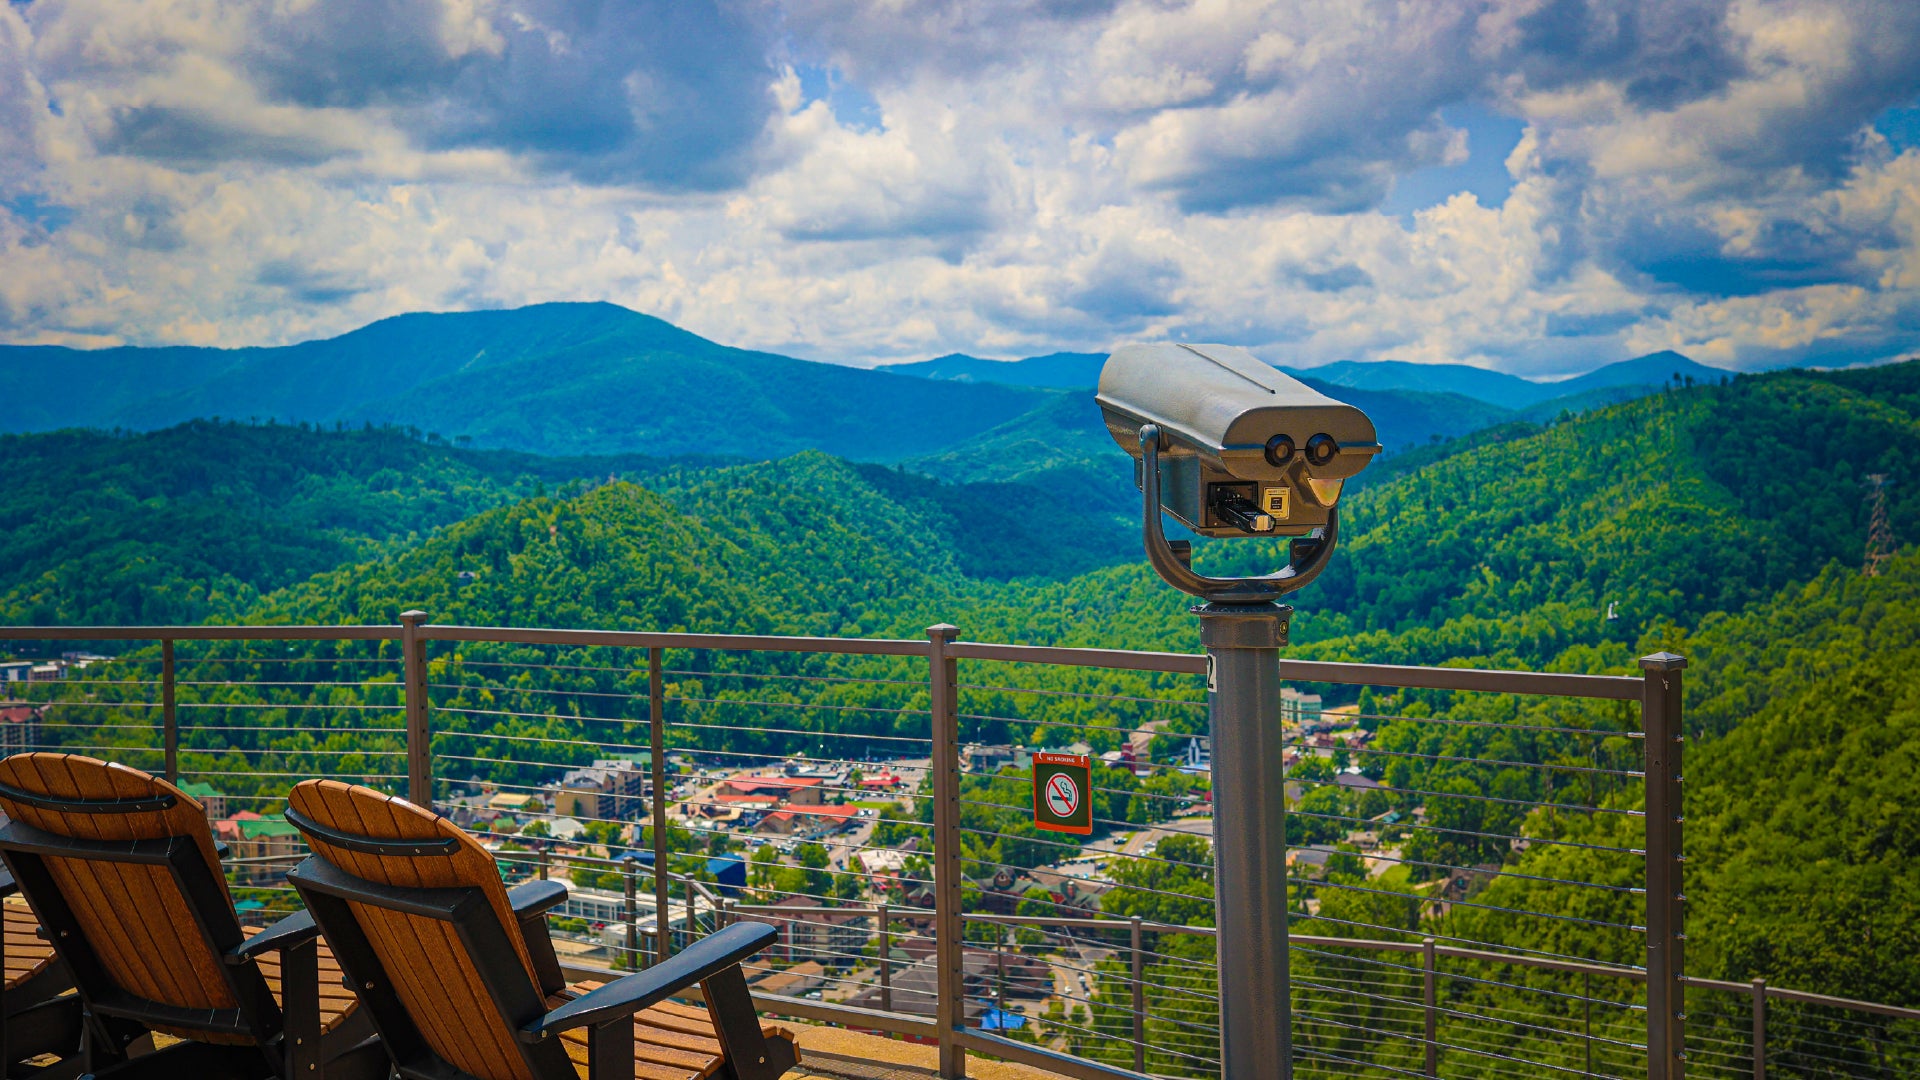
x=1586 y=1014
x=413 y=650
x=1000 y=966
x=886 y=960
x=1139 y=999
x=657 y=716
x=1759 y=1029
x=693 y=925
x=1663 y=757
x=630 y=913
x=950 y=1003
x=541 y=860
x=169 y=718
x=1430 y=995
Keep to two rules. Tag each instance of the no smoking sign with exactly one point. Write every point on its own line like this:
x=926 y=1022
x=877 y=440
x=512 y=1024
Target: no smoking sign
x=1062 y=793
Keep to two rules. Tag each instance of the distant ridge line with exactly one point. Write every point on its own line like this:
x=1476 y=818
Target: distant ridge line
x=1081 y=371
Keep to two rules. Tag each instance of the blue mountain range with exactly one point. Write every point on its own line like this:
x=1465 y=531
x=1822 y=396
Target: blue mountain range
x=596 y=378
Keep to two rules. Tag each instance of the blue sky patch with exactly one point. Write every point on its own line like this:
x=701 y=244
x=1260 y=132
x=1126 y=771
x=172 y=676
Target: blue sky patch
x=1490 y=138
x=49 y=216
x=1901 y=127
x=851 y=104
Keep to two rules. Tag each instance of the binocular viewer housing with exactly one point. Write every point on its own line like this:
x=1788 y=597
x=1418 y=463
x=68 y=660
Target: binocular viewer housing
x=1244 y=449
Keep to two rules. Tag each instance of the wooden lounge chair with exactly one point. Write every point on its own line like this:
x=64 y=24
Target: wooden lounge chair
x=122 y=871
x=462 y=981
x=41 y=1018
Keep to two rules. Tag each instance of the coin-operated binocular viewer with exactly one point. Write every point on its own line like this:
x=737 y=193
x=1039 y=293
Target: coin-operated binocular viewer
x=1231 y=447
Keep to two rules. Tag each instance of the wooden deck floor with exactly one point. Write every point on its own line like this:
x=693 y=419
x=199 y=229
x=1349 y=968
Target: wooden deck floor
x=836 y=1054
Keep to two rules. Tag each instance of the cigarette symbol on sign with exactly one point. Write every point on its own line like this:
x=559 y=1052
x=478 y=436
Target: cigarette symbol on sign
x=1063 y=795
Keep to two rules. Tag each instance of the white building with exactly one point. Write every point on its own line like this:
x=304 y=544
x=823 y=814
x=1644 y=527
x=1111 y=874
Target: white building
x=611 y=789
x=1199 y=755
x=1298 y=708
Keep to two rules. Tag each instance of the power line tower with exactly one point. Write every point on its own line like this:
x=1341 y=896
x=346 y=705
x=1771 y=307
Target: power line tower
x=1880 y=542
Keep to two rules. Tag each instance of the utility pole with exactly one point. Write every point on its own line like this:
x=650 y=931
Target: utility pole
x=1880 y=541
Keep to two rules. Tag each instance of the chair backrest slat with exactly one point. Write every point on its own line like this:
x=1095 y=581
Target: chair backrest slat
x=431 y=970
x=135 y=918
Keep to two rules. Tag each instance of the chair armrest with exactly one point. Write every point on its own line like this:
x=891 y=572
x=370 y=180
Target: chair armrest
x=625 y=996
x=536 y=897
x=221 y=850
x=295 y=929
x=530 y=902
x=7 y=885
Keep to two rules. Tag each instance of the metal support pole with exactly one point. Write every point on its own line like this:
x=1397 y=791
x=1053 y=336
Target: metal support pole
x=1430 y=995
x=1759 y=1029
x=693 y=926
x=1139 y=1000
x=1000 y=966
x=950 y=1003
x=1665 y=744
x=630 y=913
x=1250 y=835
x=1586 y=1014
x=169 y=719
x=542 y=862
x=886 y=960
x=657 y=714
x=419 y=736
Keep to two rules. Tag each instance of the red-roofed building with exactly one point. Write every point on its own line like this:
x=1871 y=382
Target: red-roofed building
x=228 y=829
x=883 y=782
x=19 y=728
x=813 y=820
x=249 y=836
x=730 y=806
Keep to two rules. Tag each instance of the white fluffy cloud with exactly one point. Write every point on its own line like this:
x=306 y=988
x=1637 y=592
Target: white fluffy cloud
x=867 y=180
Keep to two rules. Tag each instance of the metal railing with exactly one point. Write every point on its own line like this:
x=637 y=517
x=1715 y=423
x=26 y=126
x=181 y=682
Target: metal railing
x=1488 y=876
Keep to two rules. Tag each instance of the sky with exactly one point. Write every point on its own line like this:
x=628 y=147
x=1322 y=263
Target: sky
x=1535 y=186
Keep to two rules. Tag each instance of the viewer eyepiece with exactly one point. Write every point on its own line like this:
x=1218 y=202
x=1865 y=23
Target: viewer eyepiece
x=1321 y=449
x=1279 y=451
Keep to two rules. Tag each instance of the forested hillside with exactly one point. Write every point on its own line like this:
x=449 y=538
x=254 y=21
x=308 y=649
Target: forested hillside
x=1802 y=789
x=197 y=521
x=809 y=545
x=1721 y=521
x=1513 y=548
x=1664 y=510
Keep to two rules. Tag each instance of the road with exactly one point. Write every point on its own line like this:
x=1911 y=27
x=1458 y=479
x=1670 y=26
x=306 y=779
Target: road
x=1190 y=826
